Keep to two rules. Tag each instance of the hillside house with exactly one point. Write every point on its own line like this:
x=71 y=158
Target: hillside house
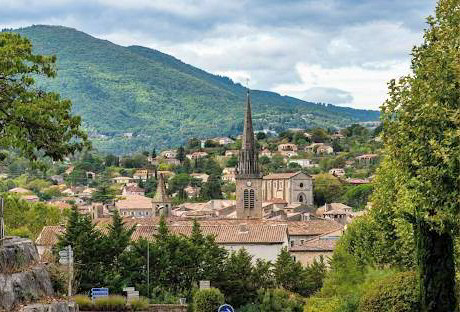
x=338 y=172
x=367 y=159
x=203 y=177
x=133 y=190
x=324 y=149
x=304 y=163
x=223 y=141
x=231 y=153
x=142 y=174
x=196 y=155
x=168 y=154
x=287 y=149
x=122 y=180
x=229 y=174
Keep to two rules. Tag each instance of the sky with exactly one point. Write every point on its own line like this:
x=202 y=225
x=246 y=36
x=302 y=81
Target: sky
x=331 y=51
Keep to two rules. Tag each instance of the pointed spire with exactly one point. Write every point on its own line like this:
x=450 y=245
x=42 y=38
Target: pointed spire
x=248 y=132
x=248 y=157
x=161 y=196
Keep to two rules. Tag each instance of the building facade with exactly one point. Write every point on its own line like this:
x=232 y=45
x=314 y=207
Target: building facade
x=293 y=188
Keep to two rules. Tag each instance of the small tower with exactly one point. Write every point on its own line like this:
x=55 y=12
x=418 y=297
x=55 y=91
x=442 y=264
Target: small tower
x=248 y=176
x=161 y=203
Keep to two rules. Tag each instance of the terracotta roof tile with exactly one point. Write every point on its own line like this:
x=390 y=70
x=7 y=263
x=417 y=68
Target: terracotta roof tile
x=316 y=245
x=49 y=235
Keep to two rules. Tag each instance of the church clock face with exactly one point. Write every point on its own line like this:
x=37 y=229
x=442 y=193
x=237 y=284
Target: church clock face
x=248 y=183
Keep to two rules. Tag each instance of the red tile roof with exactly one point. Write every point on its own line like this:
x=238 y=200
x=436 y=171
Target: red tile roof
x=316 y=245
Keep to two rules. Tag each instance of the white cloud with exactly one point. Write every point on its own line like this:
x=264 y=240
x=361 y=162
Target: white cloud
x=368 y=87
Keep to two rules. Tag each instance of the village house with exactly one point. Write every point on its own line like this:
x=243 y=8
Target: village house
x=304 y=163
x=203 y=177
x=309 y=251
x=338 y=172
x=229 y=174
x=58 y=179
x=32 y=198
x=223 y=141
x=287 y=149
x=337 y=136
x=192 y=191
x=324 y=149
x=87 y=192
x=133 y=189
x=142 y=174
x=261 y=238
x=20 y=190
x=367 y=159
x=134 y=206
x=292 y=187
x=265 y=152
x=168 y=154
x=196 y=155
x=122 y=180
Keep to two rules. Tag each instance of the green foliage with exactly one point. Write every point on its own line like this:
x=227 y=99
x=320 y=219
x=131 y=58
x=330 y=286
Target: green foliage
x=84 y=302
x=26 y=219
x=279 y=300
x=212 y=188
x=159 y=98
x=206 y=300
x=327 y=189
x=51 y=130
x=317 y=304
x=232 y=162
x=141 y=304
x=397 y=293
x=110 y=303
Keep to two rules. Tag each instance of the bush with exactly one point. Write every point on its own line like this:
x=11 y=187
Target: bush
x=397 y=293
x=280 y=300
x=206 y=300
x=315 y=304
x=139 y=304
x=110 y=303
x=83 y=302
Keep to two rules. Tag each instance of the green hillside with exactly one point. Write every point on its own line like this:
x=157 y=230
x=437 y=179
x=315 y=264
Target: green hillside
x=160 y=99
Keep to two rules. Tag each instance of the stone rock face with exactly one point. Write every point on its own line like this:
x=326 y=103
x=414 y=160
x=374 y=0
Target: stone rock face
x=21 y=277
x=53 y=307
x=17 y=253
x=24 y=286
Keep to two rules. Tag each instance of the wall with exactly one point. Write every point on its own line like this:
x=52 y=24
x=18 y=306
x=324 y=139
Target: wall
x=307 y=257
x=267 y=252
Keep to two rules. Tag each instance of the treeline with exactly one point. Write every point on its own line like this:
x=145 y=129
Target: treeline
x=176 y=264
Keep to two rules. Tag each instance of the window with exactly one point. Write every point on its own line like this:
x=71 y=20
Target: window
x=292 y=243
x=280 y=185
x=246 y=199
x=249 y=199
x=301 y=198
x=301 y=184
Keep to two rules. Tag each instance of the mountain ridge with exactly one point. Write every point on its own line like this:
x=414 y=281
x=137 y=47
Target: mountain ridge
x=159 y=98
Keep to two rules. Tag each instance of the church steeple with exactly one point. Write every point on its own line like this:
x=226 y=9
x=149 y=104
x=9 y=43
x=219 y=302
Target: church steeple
x=248 y=160
x=161 y=201
x=248 y=132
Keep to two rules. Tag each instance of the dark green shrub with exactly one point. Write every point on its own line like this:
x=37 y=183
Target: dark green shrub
x=280 y=300
x=397 y=293
x=207 y=300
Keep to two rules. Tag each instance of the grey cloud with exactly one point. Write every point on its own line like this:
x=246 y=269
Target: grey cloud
x=328 y=95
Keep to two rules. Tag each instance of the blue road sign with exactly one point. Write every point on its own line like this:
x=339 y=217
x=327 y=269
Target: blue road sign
x=99 y=292
x=225 y=308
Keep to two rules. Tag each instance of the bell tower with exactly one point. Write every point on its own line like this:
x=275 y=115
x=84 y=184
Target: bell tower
x=248 y=176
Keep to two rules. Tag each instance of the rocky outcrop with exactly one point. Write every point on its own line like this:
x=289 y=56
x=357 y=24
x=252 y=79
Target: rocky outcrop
x=22 y=279
x=16 y=254
x=52 y=307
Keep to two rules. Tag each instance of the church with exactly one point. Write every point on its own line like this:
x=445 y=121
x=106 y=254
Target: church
x=252 y=188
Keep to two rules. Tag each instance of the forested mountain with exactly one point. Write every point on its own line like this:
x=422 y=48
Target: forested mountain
x=160 y=99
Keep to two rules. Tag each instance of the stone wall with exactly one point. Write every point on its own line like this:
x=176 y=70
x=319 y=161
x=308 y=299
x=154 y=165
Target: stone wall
x=52 y=307
x=21 y=277
x=168 y=308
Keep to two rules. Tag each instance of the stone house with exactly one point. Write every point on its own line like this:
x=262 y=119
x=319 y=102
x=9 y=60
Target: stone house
x=203 y=177
x=141 y=174
x=265 y=152
x=133 y=190
x=229 y=174
x=122 y=180
x=324 y=149
x=294 y=187
x=367 y=159
x=287 y=149
x=338 y=172
x=309 y=251
x=134 y=206
x=196 y=155
x=304 y=163
x=223 y=141
x=168 y=154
